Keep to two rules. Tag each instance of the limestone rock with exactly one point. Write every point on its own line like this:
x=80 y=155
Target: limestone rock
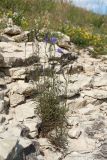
x=5 y=38
x=30 y=150
x=73 y=121
x=96 y=93
x=63 y=37
x=6 y=104
x=16 y=99
x=82 y=144
x=25 y=111
x=14 y=30
x=102 y=152
x=12 y=131
x=100 y=80
x=89 y=69
x=1 y=60
x=63 y=41
x=68 y=58
x=2 y=119
x=96 y=128
x=50 y=152
x=24 y=142
x=71 y=91
x=78 y=156
x=22 y=88
x=2 y=80
x=22 y=37
x=63 y=85
x=18 y=73
x=17 y=55
x=1 y=106
x=2 y=93
x=87 y=110
x=77 y=103
x=32 y=124
x=75 y=68
x=82 y=81
x=75 y=132
x=50 y=155
x=40 y=157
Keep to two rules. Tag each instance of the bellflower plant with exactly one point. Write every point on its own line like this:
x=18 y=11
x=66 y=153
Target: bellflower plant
x=53 y=40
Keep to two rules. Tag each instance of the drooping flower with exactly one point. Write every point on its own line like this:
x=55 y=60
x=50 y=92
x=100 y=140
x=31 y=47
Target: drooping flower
x=46 y=38
x=59 y=50
x=53 y=40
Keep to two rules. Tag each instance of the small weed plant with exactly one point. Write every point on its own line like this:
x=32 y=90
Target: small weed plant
x=18 y=18
x=82 y=36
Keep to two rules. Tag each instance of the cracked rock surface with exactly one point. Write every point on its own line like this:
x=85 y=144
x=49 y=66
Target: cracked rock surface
x=20 y=66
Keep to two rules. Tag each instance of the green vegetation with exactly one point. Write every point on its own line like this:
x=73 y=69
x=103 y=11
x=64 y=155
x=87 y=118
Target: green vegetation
x=53 y=115
x=51 y=11
x=38 y=14
x=82 y=36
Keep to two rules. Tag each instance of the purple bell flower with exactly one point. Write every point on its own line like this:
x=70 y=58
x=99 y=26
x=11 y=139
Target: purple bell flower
x=59 y=50
x=53 y=40
x=46 y=38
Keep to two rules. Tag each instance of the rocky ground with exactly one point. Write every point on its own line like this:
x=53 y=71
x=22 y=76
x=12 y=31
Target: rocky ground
x=20 y=63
